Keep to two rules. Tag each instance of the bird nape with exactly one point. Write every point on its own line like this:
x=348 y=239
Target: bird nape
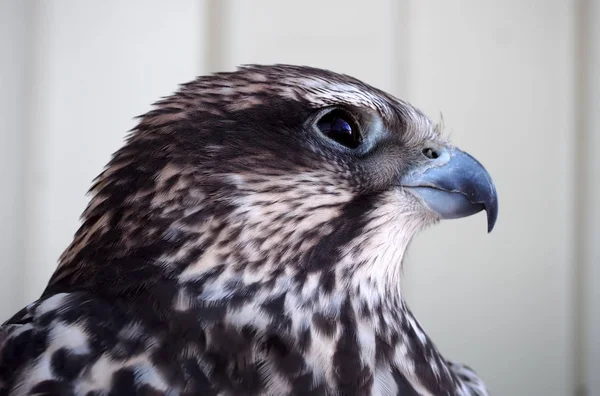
x=248 y=239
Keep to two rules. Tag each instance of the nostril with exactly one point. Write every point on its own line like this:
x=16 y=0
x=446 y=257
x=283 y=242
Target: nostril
x=431 y=153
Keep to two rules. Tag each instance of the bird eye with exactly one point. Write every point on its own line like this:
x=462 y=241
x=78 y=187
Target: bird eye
x=341 y=127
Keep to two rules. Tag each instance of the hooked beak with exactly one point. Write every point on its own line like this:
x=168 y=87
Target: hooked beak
x=454 y=185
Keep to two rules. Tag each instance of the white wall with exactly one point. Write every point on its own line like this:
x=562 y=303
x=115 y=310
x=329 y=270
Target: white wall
x=502 y=72
x=14 y=88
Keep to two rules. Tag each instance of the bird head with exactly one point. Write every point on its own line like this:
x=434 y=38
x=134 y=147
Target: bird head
x=270 y=170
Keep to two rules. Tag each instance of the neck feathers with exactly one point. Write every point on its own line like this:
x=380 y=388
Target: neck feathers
x=325 y=274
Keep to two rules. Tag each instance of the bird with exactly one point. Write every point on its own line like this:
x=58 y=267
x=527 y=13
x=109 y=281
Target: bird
x=248 y=238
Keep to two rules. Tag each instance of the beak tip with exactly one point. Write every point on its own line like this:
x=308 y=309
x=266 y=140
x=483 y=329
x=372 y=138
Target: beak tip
x=492 y=215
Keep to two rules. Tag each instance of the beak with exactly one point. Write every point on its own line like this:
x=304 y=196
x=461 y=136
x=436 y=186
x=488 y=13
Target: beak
x=453 y=184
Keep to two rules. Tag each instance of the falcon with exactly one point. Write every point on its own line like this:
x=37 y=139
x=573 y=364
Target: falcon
x=248 y=239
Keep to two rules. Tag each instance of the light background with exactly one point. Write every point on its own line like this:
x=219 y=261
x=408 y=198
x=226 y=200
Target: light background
x=517 y=81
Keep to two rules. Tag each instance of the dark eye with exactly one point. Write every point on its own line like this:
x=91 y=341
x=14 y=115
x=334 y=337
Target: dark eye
x=341 y=127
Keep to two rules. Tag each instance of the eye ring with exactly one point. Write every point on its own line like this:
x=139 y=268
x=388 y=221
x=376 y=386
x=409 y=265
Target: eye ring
x=340 y=126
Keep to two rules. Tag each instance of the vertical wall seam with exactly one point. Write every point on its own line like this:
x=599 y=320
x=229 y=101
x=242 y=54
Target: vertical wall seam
x=215 y=35
x=399 y=14
x=583 y=202
x=27 y=156
x=590 y=228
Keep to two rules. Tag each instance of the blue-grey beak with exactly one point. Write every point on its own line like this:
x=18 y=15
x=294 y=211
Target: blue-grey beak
x=453 y=184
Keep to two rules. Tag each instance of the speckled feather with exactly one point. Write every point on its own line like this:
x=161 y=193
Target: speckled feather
x=231 y=249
